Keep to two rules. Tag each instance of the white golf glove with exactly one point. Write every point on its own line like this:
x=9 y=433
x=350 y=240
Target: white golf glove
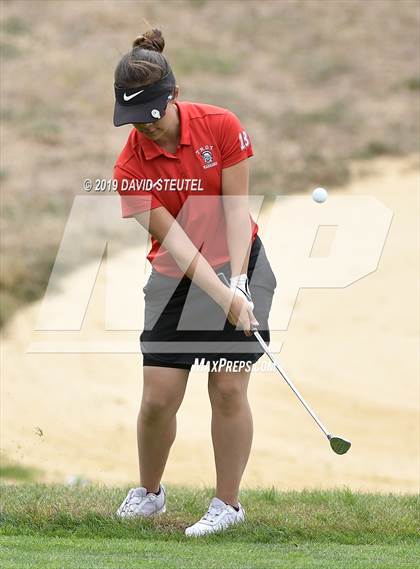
x=240 y=286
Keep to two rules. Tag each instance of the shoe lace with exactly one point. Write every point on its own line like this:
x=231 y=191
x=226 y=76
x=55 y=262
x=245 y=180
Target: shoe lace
x=130 y=502
x=212 y=514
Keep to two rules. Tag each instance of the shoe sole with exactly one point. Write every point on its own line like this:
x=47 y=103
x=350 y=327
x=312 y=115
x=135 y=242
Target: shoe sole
x=214 y=531
x=159 y=512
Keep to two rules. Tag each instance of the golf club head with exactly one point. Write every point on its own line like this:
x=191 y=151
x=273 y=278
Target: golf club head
x=339 y=445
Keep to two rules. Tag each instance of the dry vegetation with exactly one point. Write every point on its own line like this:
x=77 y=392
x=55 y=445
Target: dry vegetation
x=317 y=83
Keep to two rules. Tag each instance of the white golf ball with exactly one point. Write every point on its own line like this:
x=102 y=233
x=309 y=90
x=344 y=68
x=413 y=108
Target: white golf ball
x=319 y=195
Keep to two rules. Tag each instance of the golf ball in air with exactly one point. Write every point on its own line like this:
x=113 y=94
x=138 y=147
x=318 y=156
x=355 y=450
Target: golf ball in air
x=319 y=195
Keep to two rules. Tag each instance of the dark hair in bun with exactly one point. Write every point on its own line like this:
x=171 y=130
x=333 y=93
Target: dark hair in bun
x=153 y=40
x=144 y=64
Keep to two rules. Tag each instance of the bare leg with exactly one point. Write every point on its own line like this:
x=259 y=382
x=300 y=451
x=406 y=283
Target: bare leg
x=163 y=392
x=231 y=429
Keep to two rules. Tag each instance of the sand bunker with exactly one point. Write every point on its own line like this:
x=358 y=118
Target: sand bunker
x=352 y=351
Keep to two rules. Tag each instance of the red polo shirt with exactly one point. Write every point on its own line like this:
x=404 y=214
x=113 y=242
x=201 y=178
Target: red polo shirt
x=186 y=183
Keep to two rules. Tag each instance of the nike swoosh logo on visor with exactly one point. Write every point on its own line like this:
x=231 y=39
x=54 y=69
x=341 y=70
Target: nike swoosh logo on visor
x=129 y=97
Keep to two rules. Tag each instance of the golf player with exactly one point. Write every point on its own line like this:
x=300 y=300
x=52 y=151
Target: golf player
x=183 y=175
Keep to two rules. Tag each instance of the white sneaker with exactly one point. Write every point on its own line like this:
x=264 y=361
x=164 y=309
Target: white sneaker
x=139 y=503
x=219 y=516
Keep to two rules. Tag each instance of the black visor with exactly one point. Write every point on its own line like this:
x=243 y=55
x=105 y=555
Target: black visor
x=143 y=104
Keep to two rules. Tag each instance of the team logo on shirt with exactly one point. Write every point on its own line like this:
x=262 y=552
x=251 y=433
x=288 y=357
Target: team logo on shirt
x=206 y=154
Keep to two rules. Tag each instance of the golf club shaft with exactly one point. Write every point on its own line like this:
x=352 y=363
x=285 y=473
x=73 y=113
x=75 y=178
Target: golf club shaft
x=290 y=384
x=264 y=346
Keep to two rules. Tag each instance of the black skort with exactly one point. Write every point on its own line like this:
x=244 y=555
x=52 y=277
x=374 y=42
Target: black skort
x=183 y=324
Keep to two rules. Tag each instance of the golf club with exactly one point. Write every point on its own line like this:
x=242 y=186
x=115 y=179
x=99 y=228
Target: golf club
x=338 y=444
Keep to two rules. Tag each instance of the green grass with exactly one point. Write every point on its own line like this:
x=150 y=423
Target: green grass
x=59 y=526
x=413 y=84
x=13 y=472
x=73 y=553
x=14 y=26
x=373 y=149
x=17 y=472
